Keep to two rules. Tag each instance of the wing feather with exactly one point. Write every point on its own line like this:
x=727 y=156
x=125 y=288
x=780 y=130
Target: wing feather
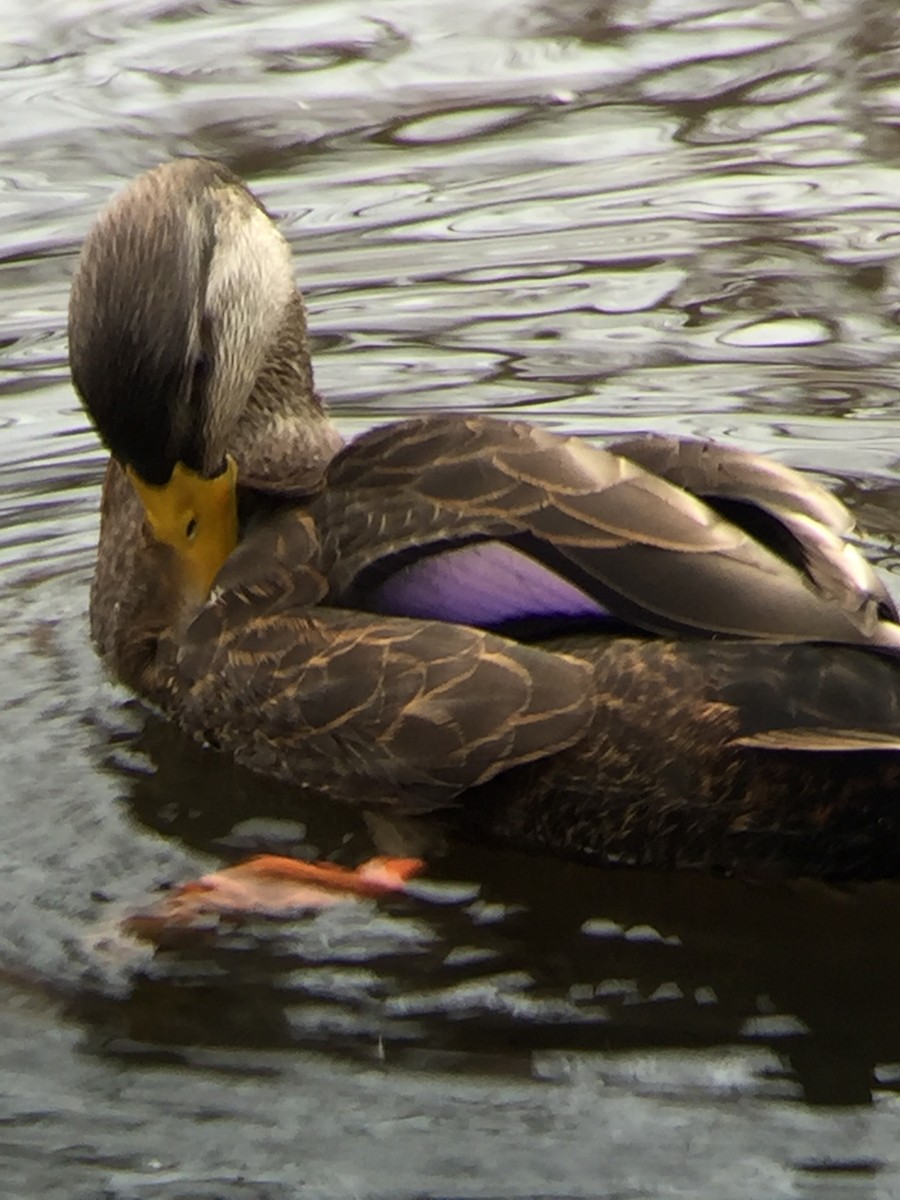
x=642 y=546
x=387 y=709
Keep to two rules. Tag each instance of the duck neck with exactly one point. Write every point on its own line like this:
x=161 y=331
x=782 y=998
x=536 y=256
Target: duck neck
x=283 y=440
x=138 y=602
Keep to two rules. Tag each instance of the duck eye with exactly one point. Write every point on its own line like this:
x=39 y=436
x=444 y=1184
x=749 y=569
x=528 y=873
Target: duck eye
x=190 y=531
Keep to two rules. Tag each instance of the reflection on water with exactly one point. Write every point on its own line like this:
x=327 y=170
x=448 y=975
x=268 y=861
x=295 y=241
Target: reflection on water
x=561 y=956
x=607 y=217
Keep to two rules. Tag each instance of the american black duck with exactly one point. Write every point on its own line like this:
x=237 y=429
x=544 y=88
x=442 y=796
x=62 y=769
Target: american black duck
x=663 y=653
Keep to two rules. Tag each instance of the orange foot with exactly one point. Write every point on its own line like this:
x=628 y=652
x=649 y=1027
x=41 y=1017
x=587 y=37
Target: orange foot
x=268 y=886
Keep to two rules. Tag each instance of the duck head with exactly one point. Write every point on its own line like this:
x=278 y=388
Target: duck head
x=188 y=347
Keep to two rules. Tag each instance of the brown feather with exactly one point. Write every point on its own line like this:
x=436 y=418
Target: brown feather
x=646 y=548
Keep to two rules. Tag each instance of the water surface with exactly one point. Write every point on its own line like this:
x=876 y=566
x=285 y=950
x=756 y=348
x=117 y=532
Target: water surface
x=667 y=214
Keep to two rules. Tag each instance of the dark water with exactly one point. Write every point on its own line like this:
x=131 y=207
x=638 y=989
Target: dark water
x=668 y=214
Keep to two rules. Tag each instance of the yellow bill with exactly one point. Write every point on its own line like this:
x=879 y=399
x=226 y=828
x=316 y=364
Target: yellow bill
x=197 y=517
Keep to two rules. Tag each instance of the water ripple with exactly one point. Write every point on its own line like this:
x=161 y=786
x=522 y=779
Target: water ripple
x=606 y=217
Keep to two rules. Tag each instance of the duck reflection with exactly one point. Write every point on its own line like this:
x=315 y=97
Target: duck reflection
x=537 y=954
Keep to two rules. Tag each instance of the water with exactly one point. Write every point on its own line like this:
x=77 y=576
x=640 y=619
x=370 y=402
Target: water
x=667 y=214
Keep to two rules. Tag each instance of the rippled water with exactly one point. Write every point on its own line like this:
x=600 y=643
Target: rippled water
x=668 y=214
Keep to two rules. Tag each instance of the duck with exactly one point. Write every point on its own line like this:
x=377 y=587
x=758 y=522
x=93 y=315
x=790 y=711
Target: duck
x=660 y=653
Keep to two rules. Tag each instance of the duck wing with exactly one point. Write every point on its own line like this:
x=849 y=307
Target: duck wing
x=373 y=708
x=712 y=470
x=484 y=521
x=775 y=504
